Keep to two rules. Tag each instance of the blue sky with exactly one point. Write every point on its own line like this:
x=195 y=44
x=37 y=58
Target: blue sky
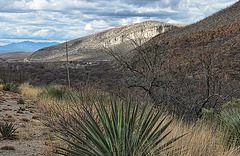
x=61 y=20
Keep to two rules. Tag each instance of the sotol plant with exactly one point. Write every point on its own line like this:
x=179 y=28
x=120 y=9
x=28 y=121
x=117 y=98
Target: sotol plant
x=122 y=132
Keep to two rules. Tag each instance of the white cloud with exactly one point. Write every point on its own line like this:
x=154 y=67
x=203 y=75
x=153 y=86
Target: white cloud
x=88 y=27
x=70 y=19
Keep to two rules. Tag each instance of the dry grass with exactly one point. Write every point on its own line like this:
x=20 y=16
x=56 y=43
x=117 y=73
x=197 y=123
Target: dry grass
x=29 y=91
x=60 y=111
x=1 y=86
x=201 y=139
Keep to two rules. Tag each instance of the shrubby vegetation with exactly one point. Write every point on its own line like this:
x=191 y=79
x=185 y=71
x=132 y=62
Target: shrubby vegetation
x=11 y=87
x=74 y=117
x=55 y=92
x=1 y=81
x=227 y=121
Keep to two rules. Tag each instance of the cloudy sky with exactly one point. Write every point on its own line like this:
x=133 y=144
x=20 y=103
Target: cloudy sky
x=61 y=20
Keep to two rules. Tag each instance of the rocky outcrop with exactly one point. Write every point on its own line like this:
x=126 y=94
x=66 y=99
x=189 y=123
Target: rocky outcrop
x=92 y=47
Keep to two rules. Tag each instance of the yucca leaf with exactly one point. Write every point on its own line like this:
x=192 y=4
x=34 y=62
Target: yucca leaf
x=122 y=132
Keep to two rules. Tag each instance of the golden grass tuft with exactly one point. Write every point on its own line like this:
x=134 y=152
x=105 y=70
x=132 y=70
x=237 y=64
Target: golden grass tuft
x=201 y=139
x=1 y=86
x=29 y=91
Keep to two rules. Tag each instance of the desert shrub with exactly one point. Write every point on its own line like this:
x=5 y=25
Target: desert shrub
x=123 y=131
x=7 y=130
x=56 y=92
x=11 y=87
x=1 y=81
x=20 y=100
x=232 y=104
x=208 y=114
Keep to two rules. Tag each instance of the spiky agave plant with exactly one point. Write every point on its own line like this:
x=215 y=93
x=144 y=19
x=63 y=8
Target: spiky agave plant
x=122 y=132
x=7 y=130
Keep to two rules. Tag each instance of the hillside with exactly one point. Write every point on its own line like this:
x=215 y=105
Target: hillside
x=191 y=68
x=224 y=17
x=92 y=47
x=217 y=36
x=14 y=56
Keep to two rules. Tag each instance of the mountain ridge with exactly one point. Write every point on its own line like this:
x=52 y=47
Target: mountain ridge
x=26 y=46
x=92 y=46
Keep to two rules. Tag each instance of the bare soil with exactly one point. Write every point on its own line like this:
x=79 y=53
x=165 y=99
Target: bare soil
x=33 y=137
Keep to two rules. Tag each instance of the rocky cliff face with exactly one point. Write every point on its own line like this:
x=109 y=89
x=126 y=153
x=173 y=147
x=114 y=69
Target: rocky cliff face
x=92 y=47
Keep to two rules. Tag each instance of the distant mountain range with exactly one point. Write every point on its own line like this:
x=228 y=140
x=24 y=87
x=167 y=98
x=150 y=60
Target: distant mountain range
x=26 y=46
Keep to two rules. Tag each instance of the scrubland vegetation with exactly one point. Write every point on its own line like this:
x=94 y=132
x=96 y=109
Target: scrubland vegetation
x=84 y=121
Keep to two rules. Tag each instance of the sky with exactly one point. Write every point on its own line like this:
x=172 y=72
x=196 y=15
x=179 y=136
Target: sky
x=61 y=20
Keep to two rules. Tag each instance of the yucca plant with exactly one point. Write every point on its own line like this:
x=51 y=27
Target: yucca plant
x=7 y=130
x=122 y=132
x=231 y=121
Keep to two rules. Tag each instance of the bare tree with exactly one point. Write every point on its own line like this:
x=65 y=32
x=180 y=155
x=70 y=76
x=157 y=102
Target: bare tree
x=182 y=87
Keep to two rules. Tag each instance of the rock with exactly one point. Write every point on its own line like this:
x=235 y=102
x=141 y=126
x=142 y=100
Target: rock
x=8 y=147
x=9 y=119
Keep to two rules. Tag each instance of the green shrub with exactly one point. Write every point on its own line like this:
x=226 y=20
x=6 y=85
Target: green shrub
x=20 y=100
x=122 y=132
x=54 y=92
x=208 y=114
x=7 y=87
x=11 y=87
x=235 y=103
x=1 y=81
x=7 y=130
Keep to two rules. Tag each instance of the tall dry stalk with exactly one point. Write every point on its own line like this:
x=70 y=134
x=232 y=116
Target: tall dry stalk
x=67 y=67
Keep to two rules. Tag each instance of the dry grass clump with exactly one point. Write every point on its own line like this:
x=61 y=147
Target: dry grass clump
x=201 y=139
x=28 y=90
x=1 y=86
x=60 y=110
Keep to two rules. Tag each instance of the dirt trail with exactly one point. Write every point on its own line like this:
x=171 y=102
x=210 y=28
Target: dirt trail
x=32 y=136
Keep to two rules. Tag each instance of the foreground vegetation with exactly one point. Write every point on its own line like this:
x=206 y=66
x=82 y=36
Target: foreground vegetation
x=81 y=120
x=67 y=116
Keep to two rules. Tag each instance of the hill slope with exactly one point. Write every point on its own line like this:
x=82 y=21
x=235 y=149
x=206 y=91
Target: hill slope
x=191 y=68
x=14 y=56
x=91 y=47
x=217 y=35
x=224 y=17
